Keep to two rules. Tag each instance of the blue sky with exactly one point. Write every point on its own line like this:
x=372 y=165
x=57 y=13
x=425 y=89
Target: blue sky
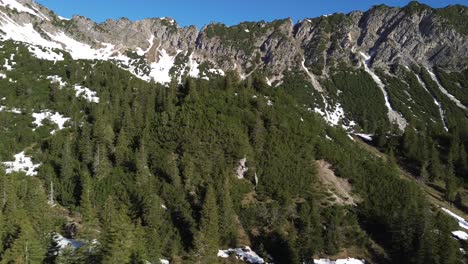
x=230 y=12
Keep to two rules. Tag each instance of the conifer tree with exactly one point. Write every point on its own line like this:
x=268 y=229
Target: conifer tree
x=207 y=237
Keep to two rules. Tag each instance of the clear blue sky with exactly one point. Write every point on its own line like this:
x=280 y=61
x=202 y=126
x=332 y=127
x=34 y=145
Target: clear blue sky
x=230 y=12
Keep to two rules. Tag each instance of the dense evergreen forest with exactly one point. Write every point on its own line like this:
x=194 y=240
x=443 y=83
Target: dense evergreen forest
x=149 y=172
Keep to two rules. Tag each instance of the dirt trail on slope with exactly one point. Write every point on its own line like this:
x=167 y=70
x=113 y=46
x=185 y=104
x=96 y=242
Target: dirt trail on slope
x=338 y=187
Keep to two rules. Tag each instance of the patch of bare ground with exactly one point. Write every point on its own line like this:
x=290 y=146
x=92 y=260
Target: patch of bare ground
x=338 y=187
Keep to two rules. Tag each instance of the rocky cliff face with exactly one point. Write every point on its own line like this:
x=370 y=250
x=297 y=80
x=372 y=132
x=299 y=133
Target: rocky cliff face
x=415 y=34
x=392 y=48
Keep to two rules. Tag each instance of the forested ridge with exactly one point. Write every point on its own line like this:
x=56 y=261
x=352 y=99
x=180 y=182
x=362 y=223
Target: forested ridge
x=149 y=172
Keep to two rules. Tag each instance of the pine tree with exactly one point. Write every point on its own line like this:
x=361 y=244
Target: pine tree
x=436 y=170
x=67 y=176
x=86 y=200
x=227 y=216
x=117 y=237
x=207 y=237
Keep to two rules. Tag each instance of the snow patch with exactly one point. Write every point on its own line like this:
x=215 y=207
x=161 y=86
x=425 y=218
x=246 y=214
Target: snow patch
x=12 y=4
x=86 y=93
x=160 y=70
x=393 y=115
x=461 y=222
x=45 y=53
x=12 y=110
x=461 y=235
x=441 y=111
x=314 y=81
x=55 y=118
x=245 y=253
x=334 y=116
x=242 y=168
x=22 y=163
x=367 y=137
x=193 y=65
x=339 y=261
x=63 y=243
x=444 y=91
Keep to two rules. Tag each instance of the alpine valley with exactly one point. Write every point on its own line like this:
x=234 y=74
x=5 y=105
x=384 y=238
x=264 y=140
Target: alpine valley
x=337 y=139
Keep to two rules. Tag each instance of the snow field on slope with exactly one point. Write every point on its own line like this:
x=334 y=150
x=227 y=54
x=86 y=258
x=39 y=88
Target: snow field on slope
x=12 y=4
x=22 y=163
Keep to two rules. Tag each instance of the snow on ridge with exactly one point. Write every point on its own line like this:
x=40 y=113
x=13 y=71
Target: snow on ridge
x=245 y=253
x=339 y=261
x=444 y=91
x=12 y=4
x=393 y=115
x=441 y=111
x=22 y=163
x=63 y=18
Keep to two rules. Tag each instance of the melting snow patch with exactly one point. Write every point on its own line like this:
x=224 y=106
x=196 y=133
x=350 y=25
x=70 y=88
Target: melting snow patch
x=63 y=18
x=45 y=53
x=216 y=71
x=242 y=168
x=334 y=116
x=442 y=114
x=460 y=235
x=393 y=115
x=367 y=137
x=57 y=79
x=193 y=65
x=339 y=261
x=12 y=110
x=160 y=70
x=86 y=93
x=245 y=253
x=63 y=243
x=314 y=81
x=56 y=118
x=461 y=222
x=22 y=163
x=444 y=91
